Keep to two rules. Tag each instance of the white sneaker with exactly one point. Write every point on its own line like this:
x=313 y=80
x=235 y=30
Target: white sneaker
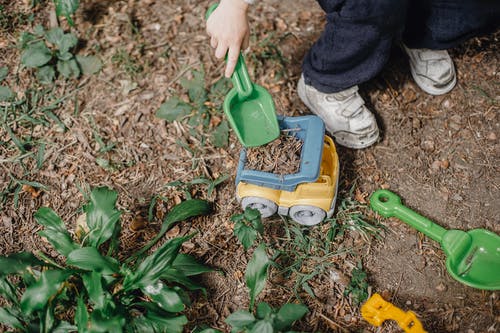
x=432 y=70
x=345 y=115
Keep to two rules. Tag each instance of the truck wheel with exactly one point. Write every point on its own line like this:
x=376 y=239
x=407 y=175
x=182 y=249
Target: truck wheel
x=265 y=207
x=307 y=215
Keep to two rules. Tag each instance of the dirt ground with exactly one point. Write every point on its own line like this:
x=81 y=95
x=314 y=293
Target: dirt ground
x=440 y=154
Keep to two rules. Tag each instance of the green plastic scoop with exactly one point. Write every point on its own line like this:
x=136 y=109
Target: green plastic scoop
x=473 y=257
x=249 y=107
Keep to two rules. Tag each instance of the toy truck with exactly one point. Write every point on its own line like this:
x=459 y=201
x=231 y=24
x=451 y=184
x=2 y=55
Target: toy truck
x=307 y=196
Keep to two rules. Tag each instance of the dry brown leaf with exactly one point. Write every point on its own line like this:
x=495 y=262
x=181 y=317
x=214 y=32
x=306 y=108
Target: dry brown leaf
x=360 y=196
x=138 y=223
x=31 y=190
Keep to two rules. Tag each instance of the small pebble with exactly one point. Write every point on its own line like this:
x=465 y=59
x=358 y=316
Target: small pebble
x=427 y=145
x=445 y=164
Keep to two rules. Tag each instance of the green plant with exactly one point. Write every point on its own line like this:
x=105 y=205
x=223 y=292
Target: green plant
x=22 y=151
x=51 y=52
x=247 y=225
x=350 y=217
x=202 y=112
x=91 y=290
x=266 y=319
x=187 y=187
x=358 y=286
x=66 y=8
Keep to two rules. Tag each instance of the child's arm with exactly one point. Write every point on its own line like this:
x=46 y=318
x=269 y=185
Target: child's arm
x=229 y=31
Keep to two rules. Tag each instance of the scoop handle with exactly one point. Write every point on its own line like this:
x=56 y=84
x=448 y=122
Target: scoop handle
x=240 y=78
x=388 y=204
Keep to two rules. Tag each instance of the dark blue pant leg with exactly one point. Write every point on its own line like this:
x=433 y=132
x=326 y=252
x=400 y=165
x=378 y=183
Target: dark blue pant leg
x=355 y=44
x=442 y=24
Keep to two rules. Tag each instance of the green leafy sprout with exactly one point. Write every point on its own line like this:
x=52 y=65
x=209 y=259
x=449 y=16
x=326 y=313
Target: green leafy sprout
x=358 y=286
x=91 y=290
x=247 y=226
x=51 y=52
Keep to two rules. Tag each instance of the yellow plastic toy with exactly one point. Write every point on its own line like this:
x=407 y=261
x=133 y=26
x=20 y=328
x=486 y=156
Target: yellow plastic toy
x=309 y=204
x=377 y=310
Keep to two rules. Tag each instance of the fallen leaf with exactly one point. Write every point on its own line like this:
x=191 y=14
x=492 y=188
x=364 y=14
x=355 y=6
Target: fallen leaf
x=31 y=190
x=138 y=223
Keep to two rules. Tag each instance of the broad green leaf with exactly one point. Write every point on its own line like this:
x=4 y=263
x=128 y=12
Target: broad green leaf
x=102 y=216
x=245 y=234
x=3 y=73
x=220 y=136
x=166 y=298
x=81 y=315
x=209 y=330
x=288 y=314
x=49 y=219
x=18 y=263
x=180 y=212
x=65 y=56
x=89 y=258
x=7 y=318
x=89 y=64
x=189 y=266
x=173 y=275
x=68 y=68
x=240 y=319
x=93 y=283
x=55 y=231
x=196 y=88
x=36 y=55
x=153 y=266
x=64 y=327
x=263 y=310
x=220 y=88
x=38 y=30
x=37 y=295
x=262 y=326
x=46 y=74
x=55 y=36
x=68 y=41
x=25 y=38
x=173 y=109
x=102 y=322
x=256 y=273
x=167 y=324
x=66 y=8
x=61 y=241
x=5 y=93
x=257 y=225
x=8 y=291
x=48 y=318
x=251 y=214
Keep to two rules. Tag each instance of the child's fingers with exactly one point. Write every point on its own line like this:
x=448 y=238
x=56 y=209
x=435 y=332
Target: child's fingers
x=213 y=42
x=246 y=42
x=221 y=50
x=232 y=58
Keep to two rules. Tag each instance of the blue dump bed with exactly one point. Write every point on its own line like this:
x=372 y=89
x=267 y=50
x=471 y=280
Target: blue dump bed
x=310 y=130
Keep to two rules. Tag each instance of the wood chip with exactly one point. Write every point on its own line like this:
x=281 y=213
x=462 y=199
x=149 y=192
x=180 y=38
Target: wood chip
x=281 y=156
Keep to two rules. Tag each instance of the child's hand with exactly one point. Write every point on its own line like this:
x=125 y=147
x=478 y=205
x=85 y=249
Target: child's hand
x=229 y=31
